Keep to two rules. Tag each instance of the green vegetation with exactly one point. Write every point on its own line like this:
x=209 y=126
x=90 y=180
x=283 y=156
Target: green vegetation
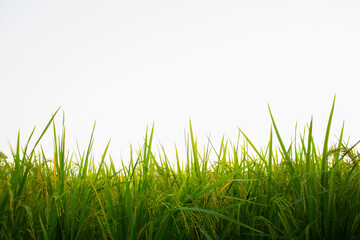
x=286 y=192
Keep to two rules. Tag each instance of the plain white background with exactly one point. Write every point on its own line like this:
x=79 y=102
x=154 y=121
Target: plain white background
x=127 y=64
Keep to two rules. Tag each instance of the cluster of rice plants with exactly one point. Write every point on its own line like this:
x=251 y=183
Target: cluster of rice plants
x=279 y=192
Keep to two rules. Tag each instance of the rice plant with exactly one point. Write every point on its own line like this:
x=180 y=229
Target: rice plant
x=299 y=191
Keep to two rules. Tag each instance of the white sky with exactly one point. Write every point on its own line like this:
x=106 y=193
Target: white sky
x=127 y=64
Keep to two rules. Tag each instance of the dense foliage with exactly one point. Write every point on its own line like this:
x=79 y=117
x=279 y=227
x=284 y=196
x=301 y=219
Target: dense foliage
x=295 y=192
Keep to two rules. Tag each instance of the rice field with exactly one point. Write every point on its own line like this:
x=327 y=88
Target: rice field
x=301 y=191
